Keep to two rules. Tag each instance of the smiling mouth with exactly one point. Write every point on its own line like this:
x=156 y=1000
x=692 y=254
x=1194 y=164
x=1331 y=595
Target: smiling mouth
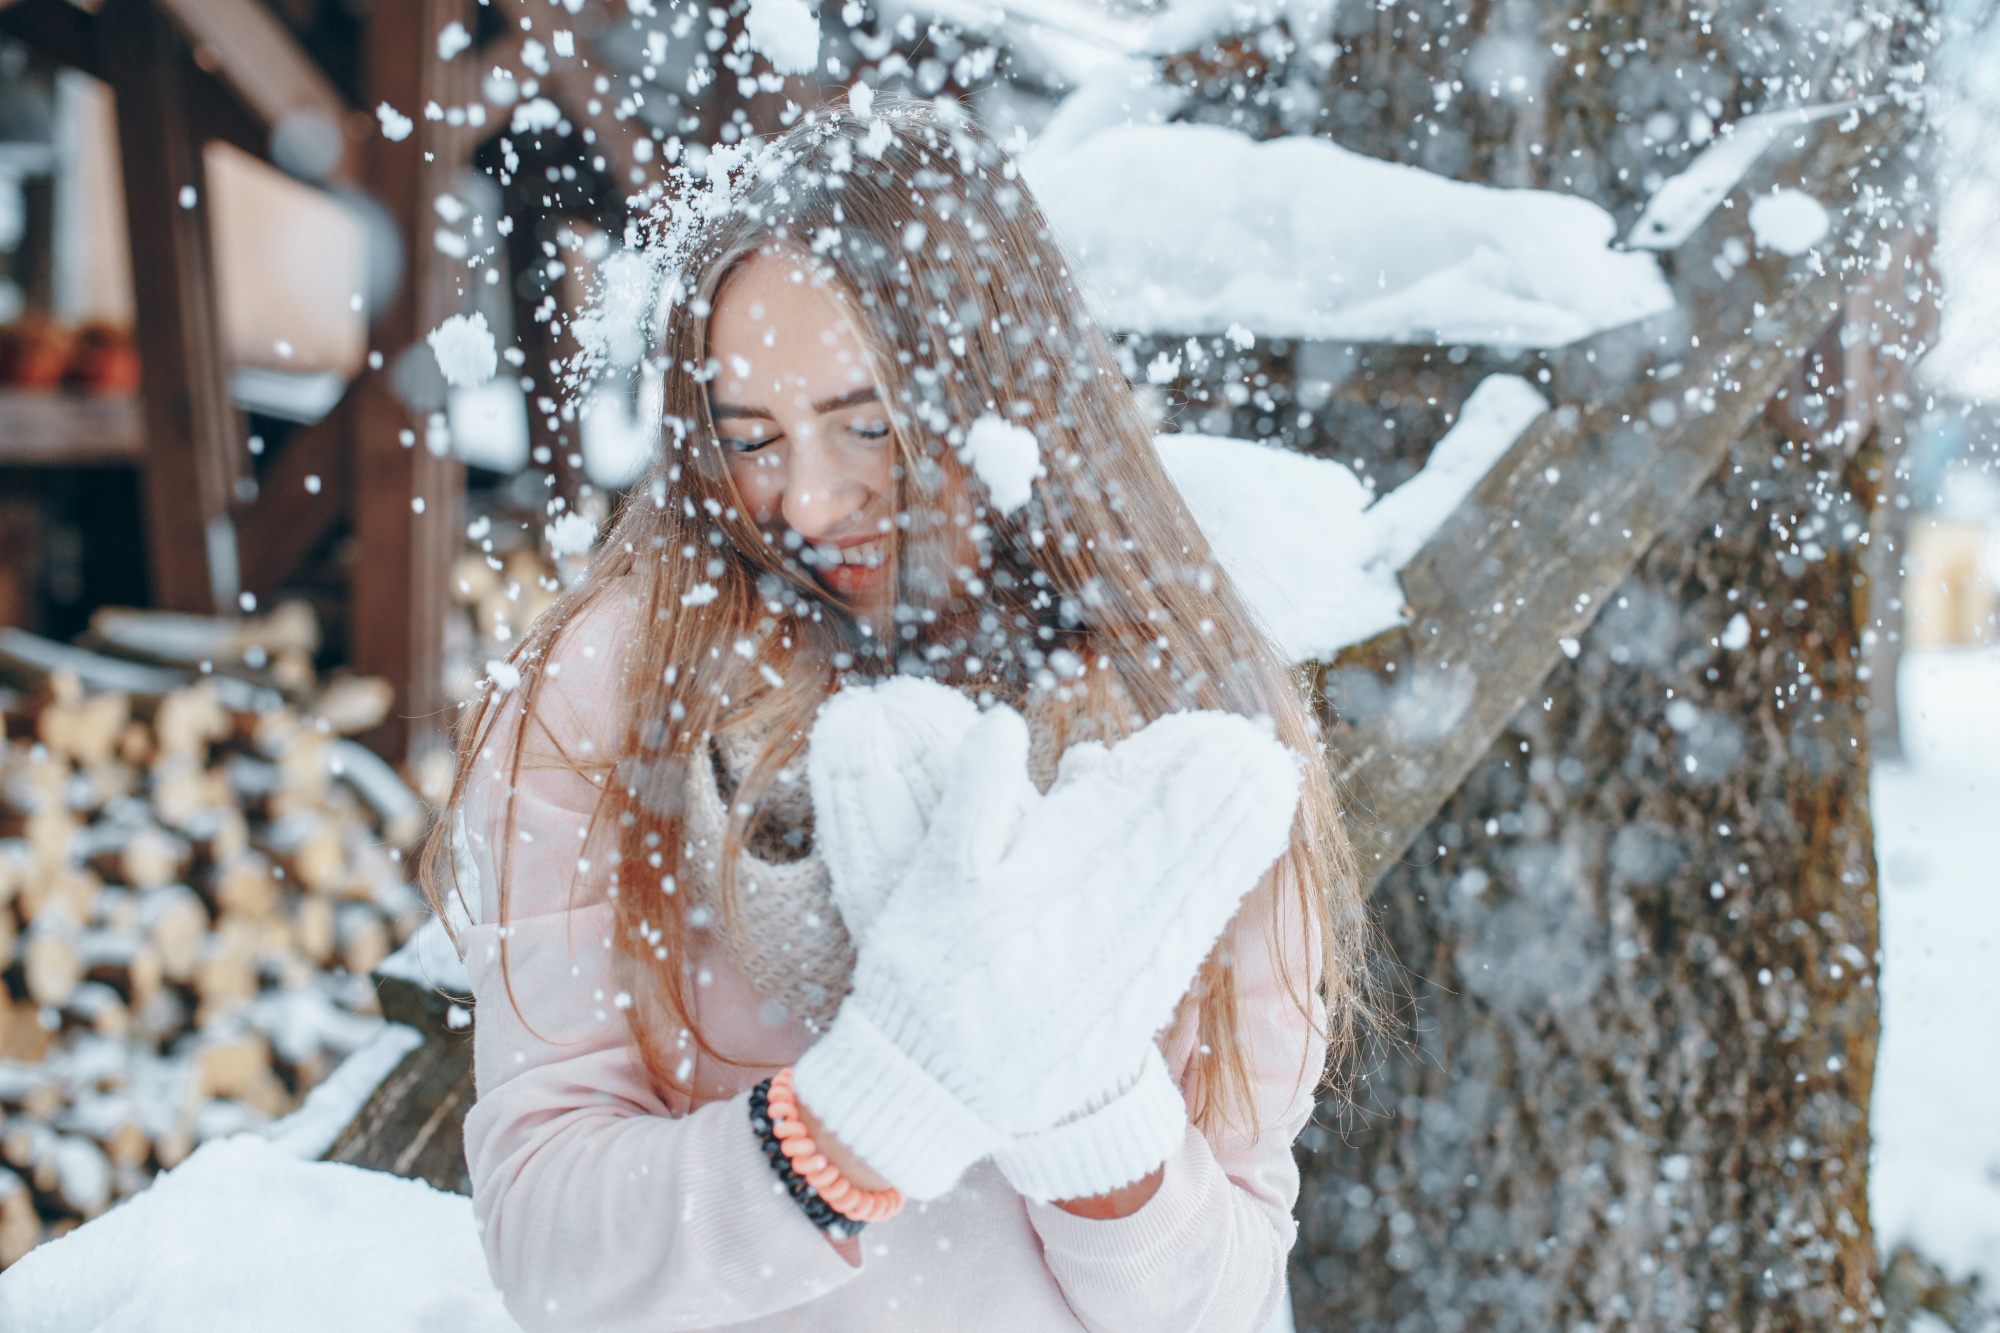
x=870 y=554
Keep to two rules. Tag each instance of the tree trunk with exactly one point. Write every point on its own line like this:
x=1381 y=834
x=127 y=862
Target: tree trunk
x=1641 y=943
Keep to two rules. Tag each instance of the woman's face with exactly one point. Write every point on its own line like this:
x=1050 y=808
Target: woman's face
x=807 y=439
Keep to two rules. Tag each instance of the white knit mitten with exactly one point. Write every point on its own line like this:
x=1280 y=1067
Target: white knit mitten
x=1006 y=999
x=877 y=765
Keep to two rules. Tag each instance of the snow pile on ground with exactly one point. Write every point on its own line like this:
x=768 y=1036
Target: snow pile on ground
x=1299 y=536
x=1183 y=228
x=241 y=1236
x=1935 y=1180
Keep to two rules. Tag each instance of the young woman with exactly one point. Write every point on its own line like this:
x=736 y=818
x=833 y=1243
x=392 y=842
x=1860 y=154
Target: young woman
x=897 y=450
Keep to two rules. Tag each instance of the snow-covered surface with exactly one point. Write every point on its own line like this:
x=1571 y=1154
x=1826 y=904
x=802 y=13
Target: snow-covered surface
x=1679 y=207
x=1006 y=457
x=243 y=1237
x=1962 y=104
x=430 y=959
x=1183 y=228
x=489 y=425
x=332 y=1105
x=1065 y=39
x=1299 y=536
x=617 y=442
x=1935 y=1179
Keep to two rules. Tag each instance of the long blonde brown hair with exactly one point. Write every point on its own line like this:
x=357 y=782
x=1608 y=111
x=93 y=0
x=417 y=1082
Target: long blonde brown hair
x=1098 y=602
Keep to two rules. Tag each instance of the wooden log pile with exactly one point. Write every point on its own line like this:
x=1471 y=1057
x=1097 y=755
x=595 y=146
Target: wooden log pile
x=198 y=871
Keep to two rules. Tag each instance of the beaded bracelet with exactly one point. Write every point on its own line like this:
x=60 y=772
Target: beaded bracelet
x=829 y=1200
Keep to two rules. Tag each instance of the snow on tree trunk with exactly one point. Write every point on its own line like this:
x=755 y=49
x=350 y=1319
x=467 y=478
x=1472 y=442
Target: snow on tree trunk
x=1636 y=1091
x=1640 y=939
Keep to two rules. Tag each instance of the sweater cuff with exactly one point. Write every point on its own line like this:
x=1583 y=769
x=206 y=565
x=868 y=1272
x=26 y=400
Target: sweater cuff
x=1132 y=1252
x=1111 y=1146
x=887 y=1110
x=774 y=1223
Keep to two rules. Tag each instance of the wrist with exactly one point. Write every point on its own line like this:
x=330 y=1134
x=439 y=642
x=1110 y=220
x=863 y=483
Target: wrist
x=1121 y=1202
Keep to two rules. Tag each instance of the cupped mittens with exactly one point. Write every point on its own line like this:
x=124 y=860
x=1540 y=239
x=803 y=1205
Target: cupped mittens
x=1011 y=981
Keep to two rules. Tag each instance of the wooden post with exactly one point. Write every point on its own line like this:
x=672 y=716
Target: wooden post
x=194 y=453
x=407 y=500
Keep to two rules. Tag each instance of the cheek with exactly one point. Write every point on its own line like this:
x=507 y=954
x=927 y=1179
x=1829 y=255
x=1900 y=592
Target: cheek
x=872 y=467
x=760 y=484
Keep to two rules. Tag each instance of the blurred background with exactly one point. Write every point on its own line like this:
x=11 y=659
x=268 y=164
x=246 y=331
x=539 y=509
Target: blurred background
x=256 y=552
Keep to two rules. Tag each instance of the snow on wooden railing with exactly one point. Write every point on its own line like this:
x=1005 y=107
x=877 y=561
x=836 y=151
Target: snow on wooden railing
x=1504 y=588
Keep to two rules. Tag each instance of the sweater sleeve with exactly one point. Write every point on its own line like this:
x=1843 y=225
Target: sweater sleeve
x=1208 y=1251
x=600 y=1205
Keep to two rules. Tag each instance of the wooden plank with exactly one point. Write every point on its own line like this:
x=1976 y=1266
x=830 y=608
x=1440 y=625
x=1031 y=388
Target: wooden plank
x=414 y=1124
x=251 y=51
x=406 y=501
x=300 y=498
x=56 y=28
x=194 y=450
x=44 y=429
x=1528 y=561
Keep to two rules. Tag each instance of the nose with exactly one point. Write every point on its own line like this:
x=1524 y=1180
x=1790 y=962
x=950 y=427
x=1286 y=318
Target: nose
x=822 y=490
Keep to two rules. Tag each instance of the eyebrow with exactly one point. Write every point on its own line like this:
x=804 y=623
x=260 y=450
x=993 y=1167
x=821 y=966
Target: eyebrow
x=724 y=411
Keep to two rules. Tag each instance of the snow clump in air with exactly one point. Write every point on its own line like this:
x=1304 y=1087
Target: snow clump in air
x=535 y=116
x=396 y=126
x=1788 y=221
x=1006 y=457
x=786 y=32
x=1736 y=634
x=452 y=40
x=571 y=534
x=463 y=346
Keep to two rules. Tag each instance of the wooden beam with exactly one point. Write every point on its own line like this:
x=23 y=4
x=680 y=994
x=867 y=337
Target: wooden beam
x=407 y=501
x=300 y=498
x=194 y=436
x=1529 y=560
x=252 y=52
x=57 y=29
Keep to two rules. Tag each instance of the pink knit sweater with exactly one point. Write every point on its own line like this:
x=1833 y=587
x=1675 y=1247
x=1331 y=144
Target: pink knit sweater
x=604 y=1205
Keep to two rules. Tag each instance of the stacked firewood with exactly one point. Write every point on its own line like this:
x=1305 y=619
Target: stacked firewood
x=198 y=870
x=504 y=578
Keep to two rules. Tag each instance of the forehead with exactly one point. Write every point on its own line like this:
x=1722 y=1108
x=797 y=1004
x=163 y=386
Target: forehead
x=776 y=324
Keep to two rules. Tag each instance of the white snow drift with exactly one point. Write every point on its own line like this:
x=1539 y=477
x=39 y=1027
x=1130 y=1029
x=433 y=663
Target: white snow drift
x=1183 y=228
x=1305 y=541
x=242 y=1236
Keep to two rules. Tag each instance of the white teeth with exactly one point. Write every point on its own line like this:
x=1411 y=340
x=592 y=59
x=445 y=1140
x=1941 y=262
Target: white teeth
x=868 y=554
